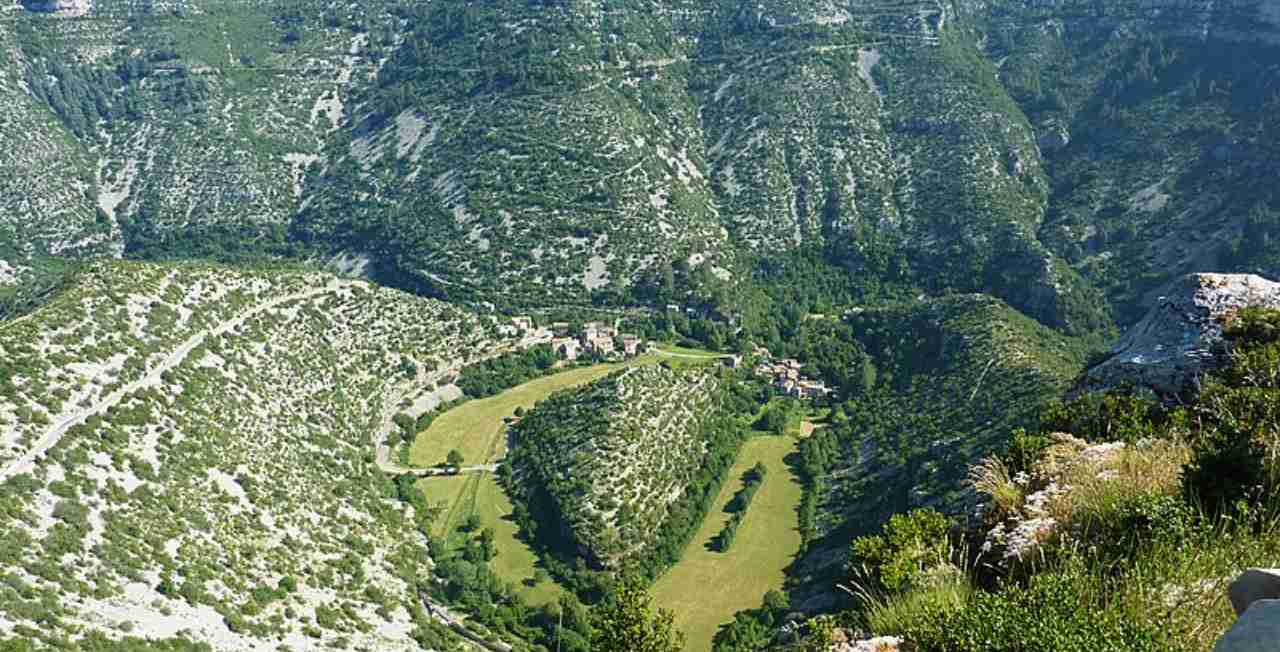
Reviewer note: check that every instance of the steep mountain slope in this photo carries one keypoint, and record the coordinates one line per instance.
(573, 147)
(172, 120)
(956, 376)
(47, 184)
(536, 152)
(547, 149)
(189, 449)
(1156, 122)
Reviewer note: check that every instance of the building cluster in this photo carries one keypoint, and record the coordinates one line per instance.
(788, 379)
(597, 338)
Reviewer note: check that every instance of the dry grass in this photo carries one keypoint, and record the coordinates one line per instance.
(1181, 586)
(1099, 486)
(904, 612)
(991, 477)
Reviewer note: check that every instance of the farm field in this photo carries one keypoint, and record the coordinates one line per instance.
(475, 428)
(706, 588)
(480, 494)
(672, 349)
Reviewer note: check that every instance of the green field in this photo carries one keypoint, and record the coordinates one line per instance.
(707, 588)
(480, 494)
(475, 428)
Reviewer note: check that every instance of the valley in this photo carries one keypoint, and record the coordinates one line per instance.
(673, 326)
(769, 540)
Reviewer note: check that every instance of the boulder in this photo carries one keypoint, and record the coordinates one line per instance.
(1253, 585)
(1179, 339)
(1054, 138)
(877, 644)
(1258, 630)
(72, 8)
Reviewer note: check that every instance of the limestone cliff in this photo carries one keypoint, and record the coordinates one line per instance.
(1181, 337)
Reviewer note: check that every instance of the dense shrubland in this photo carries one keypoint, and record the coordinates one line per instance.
(505, 371)
(239, 482)
(621, 472)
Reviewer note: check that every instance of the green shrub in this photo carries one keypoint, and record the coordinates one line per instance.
(911, 544)
(1052, 614)
(1254, 326)
(1114, 416)
(1230, 460)
(1144, 520)
(1024, 450)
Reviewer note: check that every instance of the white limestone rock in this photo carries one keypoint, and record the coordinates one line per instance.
(1180, 338)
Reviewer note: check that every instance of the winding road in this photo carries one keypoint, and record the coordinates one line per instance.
(26, 462)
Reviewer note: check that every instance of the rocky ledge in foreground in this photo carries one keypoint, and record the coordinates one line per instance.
(1176, 341)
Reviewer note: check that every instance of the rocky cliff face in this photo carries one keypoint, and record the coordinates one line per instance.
(1181, 338)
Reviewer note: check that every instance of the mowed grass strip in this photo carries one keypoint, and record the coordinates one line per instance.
(476, 429)
(682, 350)
(516, 561)
(706, 588)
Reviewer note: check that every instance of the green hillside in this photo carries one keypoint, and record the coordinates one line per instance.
(570, 151)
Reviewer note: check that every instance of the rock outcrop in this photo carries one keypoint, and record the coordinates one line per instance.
(1180, 338)
(71, 8)
(845, 641)
(1255, 596)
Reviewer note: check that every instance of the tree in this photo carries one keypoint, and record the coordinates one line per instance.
(488, 550)
(776, 601)
(454, 458)
(774, 420)
(625, 621)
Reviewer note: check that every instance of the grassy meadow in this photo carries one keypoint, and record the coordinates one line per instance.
(475, 428)
(480, 494)
(707, 588)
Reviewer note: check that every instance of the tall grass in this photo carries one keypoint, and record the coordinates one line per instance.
(1168, 594)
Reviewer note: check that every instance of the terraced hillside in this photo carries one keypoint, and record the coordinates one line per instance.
(608, 460)
(189, 452)
(548, 152)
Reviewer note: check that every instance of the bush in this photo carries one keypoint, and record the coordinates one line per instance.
(1024, 450)
(1052, 614)
(911, 544)
(1115, 416)
(1254, 326)
(1231, 460)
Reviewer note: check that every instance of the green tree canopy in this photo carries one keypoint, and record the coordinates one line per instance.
(625, 621)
